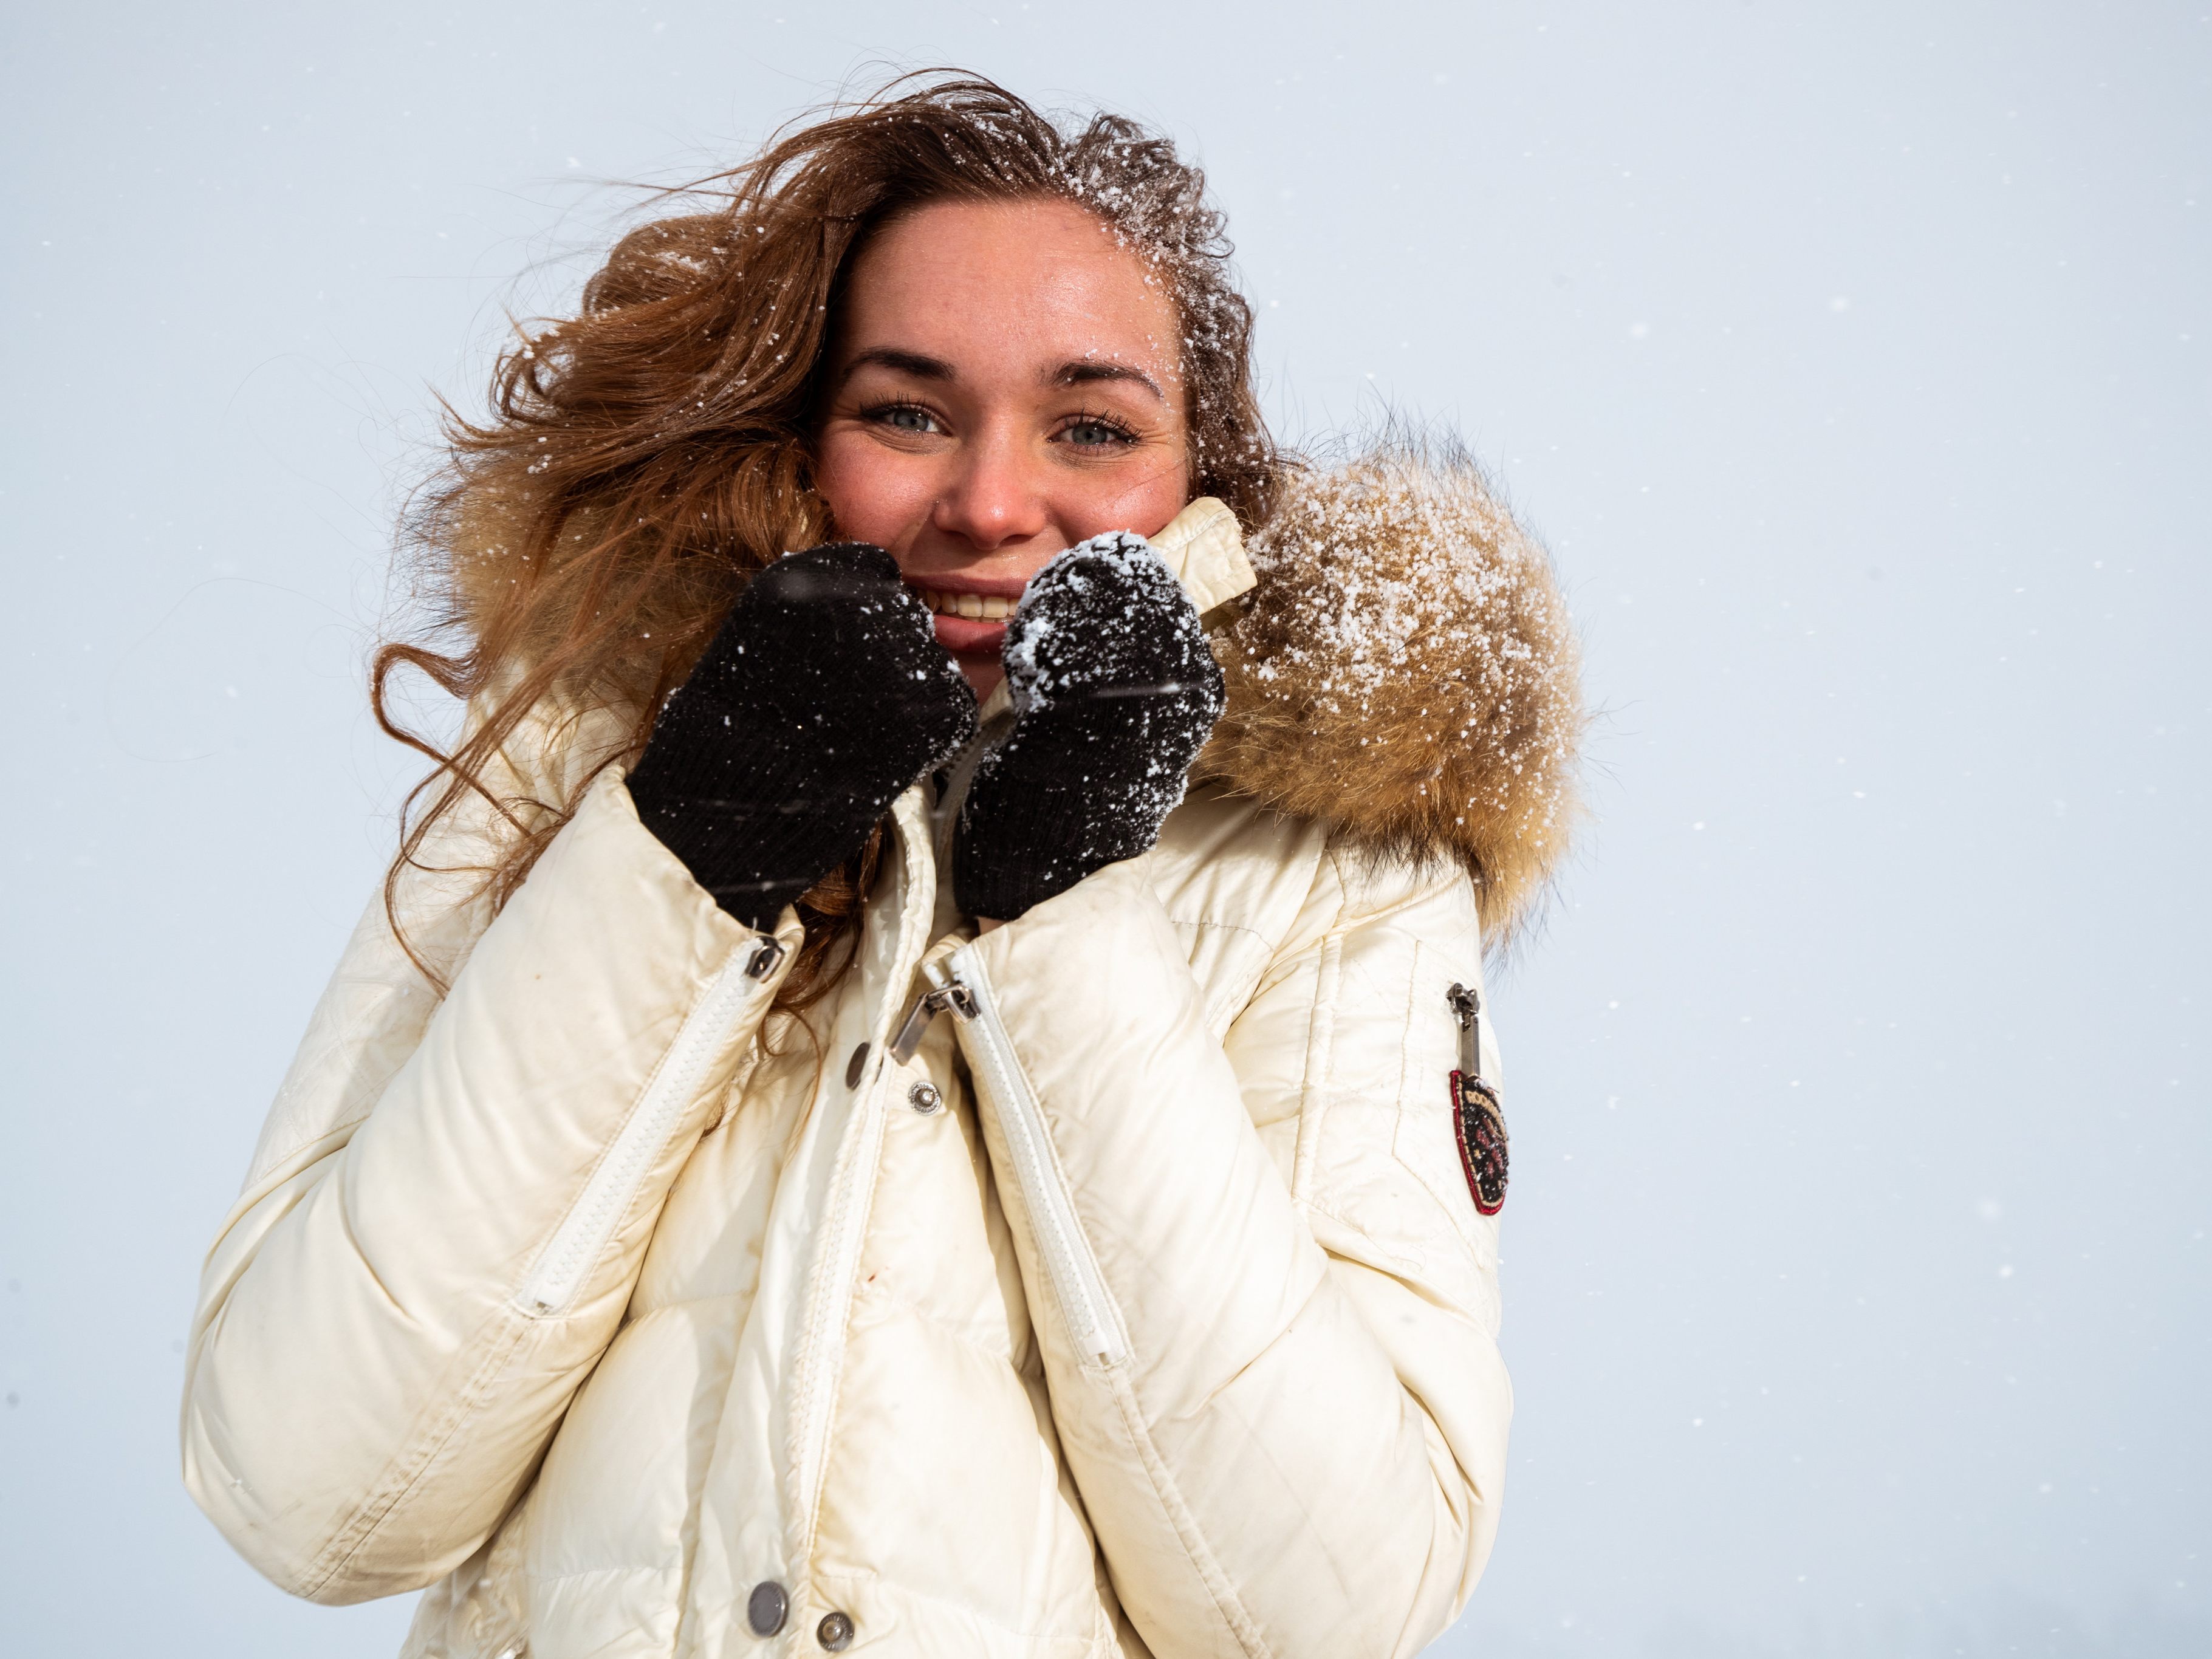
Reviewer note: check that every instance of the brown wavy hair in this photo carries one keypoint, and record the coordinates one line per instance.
(640, 460)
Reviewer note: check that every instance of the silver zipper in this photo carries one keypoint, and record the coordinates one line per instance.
(561, 1267)
(1467, 1008)
(926, 1007)
(1069, 1262)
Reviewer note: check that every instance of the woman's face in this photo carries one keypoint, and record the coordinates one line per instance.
(1005, 382)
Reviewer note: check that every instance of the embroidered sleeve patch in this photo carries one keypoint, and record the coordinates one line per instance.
(1478, 1126)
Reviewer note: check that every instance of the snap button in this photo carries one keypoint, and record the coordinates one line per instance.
(924, 1099)
(855, 1066)
(834, 1632)
(765, 1607)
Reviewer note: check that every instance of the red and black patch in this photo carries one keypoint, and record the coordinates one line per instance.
(1478, 1126)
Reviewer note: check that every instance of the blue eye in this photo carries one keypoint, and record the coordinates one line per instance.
(907, 417)
(1094, 435)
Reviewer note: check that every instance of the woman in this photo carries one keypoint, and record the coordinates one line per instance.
(632, 1254)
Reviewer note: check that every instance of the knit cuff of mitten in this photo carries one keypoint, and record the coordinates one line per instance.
(752, 845)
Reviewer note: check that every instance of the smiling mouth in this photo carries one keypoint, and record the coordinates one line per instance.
(978, 607)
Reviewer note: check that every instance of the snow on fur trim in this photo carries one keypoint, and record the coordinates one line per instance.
(1406, 671)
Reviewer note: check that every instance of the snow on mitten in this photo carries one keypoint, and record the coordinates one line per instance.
(1115, 691)
(824, 694)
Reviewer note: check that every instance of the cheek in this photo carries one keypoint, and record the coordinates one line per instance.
(1141, 497)
(875, 494)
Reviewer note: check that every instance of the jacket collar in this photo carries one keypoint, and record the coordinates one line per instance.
(1206, 550)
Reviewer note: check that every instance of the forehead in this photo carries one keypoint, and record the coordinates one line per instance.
(1010, 285)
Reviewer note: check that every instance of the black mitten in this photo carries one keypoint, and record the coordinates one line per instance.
(1116, 691)
(824, 694)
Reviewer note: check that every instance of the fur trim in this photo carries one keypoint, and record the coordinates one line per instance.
(1406, 671)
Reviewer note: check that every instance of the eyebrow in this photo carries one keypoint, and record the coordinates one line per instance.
(1087, 371)
(918, 364)
(1079, 371)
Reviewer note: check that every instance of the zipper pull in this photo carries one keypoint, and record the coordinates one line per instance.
(1467, 1009)
(926, 1007)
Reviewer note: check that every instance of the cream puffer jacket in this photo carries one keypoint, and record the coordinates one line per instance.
(1137, 1305)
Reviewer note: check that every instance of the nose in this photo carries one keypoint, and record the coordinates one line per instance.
(994, 496)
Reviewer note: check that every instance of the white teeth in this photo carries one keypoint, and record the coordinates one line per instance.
(983, 607)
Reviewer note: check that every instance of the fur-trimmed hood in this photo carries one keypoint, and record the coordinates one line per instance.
(1400, 665)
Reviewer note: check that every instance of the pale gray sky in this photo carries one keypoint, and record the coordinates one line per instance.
(1854, 360)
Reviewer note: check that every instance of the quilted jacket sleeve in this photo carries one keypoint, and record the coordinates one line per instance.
(1270, 1334)
(450, 1203)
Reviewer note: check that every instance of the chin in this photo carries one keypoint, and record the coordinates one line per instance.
(982, 674)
